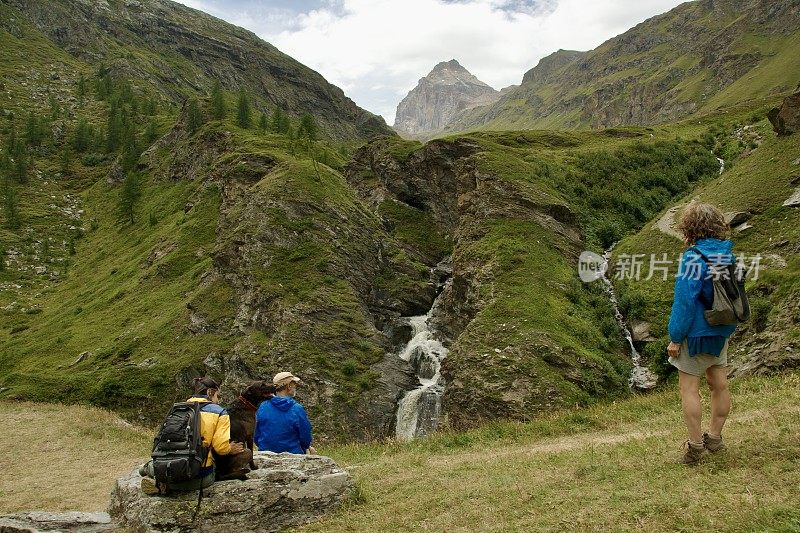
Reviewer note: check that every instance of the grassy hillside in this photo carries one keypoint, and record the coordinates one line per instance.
(757, 180)
(525, 334)
(120, 306)
(606, 467)
(173, 51)
(695, 59)
(72, 456)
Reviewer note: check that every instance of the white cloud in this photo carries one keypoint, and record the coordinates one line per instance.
(376, 50)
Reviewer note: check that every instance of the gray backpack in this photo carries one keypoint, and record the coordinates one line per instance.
(729, 303)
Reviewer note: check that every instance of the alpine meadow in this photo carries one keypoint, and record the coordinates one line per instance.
(188, 212)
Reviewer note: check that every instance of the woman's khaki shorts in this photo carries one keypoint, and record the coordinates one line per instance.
(698, 364)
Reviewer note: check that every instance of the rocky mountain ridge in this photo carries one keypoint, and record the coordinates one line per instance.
(178, 52)
(446, 92)
(696, 58)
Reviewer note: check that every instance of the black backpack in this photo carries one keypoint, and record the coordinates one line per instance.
(178, 451)
(729, 303)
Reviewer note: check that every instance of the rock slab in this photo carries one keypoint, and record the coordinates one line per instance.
(786, 119)
(286, 490)
(43, 521)
(793, 200)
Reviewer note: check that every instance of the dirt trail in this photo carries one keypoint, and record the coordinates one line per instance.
(586, 441)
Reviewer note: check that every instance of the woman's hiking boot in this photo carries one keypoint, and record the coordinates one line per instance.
(694, 453)
(713, 444)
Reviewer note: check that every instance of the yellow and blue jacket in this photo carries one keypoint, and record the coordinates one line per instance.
(215, 428)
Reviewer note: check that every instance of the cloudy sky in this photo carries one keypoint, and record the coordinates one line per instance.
(376, 50)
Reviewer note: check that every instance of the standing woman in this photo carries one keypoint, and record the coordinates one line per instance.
(698, 348)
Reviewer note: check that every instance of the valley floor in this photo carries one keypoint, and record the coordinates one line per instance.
(608, 467)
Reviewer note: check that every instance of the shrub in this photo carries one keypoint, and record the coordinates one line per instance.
(759, 313)
(632, 304)
(655, 355)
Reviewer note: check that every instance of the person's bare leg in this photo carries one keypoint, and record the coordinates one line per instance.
(717, 377)
(692, 410)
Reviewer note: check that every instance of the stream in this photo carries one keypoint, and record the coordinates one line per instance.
(641, 376)
(418, 411)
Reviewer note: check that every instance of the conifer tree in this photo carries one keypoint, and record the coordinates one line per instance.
(195, 116)
(83, 136)
(217, 101)
(66, 161)
(33, 131)
(130, 154)
(2, 259)
(308, 128)
(114, 129)
(10, 205)
(277, 120)
(21, 163)
(151, 133)
(263, 122)
(81, 90)
(128, 197)
(55, 108)
(243, 110)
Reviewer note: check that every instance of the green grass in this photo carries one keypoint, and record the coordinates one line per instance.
(608, 467)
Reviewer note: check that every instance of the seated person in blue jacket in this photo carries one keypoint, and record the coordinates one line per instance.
(281, 423)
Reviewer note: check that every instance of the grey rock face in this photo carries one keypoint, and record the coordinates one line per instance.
(736, 218)
(786, 119)
(448, 90)
(43, 521)
(286, 490)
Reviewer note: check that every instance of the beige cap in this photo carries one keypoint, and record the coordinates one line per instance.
(284, 377)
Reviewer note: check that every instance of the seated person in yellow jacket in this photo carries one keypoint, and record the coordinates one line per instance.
(215, 427)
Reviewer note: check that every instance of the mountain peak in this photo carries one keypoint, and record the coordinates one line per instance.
(453, 64)
(447, 91)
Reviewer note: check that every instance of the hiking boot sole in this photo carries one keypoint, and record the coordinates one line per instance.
(148, 487)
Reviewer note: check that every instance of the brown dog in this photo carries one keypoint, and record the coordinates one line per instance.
(242, 412)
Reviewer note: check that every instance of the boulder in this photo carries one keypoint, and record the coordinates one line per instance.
(786, 119)
(44, 521)
(286, 490)
(735, 218)
(793, 200)
(640, 331)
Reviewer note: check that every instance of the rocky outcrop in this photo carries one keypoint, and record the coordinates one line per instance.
(736, 218)
(444, 181)
(793, 200)
(550, 67)
(286, 490)
(786, 119)
(447, 91)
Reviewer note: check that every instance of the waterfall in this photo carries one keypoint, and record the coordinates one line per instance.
(418, 411)
(721, 164)
(641, 376)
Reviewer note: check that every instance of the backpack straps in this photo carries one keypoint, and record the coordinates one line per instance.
(703, 299)
(696, 250)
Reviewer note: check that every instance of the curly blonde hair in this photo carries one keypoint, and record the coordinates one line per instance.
(700, 221)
